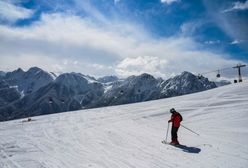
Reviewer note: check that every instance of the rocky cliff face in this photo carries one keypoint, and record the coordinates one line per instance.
(7, 94)
(30, 81)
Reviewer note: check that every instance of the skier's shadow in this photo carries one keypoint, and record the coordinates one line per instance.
(189, 149)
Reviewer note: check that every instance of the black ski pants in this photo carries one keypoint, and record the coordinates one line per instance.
(174, 133)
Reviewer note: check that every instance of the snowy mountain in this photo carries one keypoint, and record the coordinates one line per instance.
(16, 96)
(107, 79)
(130, 135)
(145, 87)
(41, 93)
(84, 89)
(185, 83)
(133, 89)
(30, 81)
(70, 91)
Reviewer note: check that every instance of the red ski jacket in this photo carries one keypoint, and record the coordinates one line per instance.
(175, 119)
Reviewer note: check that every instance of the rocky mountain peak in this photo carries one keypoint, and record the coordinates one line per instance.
(107, 79)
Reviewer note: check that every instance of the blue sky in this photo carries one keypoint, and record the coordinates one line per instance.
(124, 37)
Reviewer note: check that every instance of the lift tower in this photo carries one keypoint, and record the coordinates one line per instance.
(239, 66)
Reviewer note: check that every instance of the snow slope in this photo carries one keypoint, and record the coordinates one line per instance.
(130, 135)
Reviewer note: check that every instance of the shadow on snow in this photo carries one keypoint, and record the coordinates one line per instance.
(188, 149)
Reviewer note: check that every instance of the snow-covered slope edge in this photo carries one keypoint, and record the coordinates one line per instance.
(130, 135)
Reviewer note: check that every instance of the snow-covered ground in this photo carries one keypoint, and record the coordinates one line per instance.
(130, 136)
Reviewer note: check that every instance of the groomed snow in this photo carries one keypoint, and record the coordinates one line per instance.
(129, 136)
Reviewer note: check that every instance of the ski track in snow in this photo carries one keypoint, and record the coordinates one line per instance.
(129, 136)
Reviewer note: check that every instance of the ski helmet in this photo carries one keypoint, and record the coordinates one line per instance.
(172, 110)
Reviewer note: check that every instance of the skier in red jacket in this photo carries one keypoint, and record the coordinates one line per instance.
(176, 118)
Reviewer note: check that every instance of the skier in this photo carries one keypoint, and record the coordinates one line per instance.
(176, 118)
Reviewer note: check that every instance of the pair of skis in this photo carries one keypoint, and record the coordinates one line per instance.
(165, 142)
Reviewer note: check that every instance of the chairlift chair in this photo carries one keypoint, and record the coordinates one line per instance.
(50, 100)
(218, 74)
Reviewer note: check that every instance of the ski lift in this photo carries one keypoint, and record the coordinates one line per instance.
(218, 74)
(50, 100)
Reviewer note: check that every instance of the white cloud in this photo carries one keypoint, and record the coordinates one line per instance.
(231, 23)
(75, 62)
(190, 27)
(235, 42)
(168, 1)
(62, 42)
(172, 56)
(87, 7)
(238, 6)
(10, 12)
(139, 65)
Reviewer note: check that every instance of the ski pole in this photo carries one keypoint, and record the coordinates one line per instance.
(189, 130)
(167, 132)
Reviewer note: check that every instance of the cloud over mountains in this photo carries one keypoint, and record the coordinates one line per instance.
(87, 40)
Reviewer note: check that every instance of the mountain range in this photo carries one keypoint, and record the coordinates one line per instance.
(37, 92)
